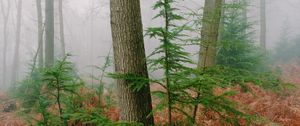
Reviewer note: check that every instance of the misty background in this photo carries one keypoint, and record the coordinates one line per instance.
(88, 34)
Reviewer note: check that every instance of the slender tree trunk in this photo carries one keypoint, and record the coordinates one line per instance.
(49, 28)
(130, 58)
(167, 55)
(40, 34)
(16, 59)
(244, 3)
(91, 57)
(263, 27)
(35, 60)
(61, 28)
(5, 14)
(209, 35)
(245, 10)
(221, 25)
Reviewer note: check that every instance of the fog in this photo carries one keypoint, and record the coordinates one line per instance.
(88, 36)
(207, 62)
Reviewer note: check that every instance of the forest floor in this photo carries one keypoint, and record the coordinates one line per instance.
(8, 118)
(276, 109)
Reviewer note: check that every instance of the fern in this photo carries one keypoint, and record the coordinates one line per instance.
(172, 56)
(48, 87)
(181, 81)
(61, 80)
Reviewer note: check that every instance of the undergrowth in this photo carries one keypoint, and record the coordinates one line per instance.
(57, 96)
(52, 91)
(180, 81)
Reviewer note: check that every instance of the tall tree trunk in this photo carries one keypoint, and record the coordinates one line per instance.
(129, 55)
(40, 34)
(222, 18)
(245, 10)
(209, 37)
(209, 33)
(5, 14)
(49, 28)
(263, 27)
(16, 59)
(91, 56)
(61, 28)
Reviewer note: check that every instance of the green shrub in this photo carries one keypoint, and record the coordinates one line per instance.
(53, 93)
(181, 81)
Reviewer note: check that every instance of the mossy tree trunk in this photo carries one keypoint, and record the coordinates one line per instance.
(209, 37)
(209, 33)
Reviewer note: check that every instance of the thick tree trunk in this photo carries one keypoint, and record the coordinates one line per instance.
(40, 34)
(129, 55)
(16, 59)
(263, 27)
(49, 28)
(5, 14)
(209, 33)
(209, 37)
(61, 28)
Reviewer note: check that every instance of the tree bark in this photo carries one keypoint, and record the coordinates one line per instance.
(61, 28)
(263, 27)
(16, 59)
(209, 33)
(40, 34)
(5, 14)
(49, 28)
(209, 37)
(129, 55)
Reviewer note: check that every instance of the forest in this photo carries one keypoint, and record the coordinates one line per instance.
(149, 63)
